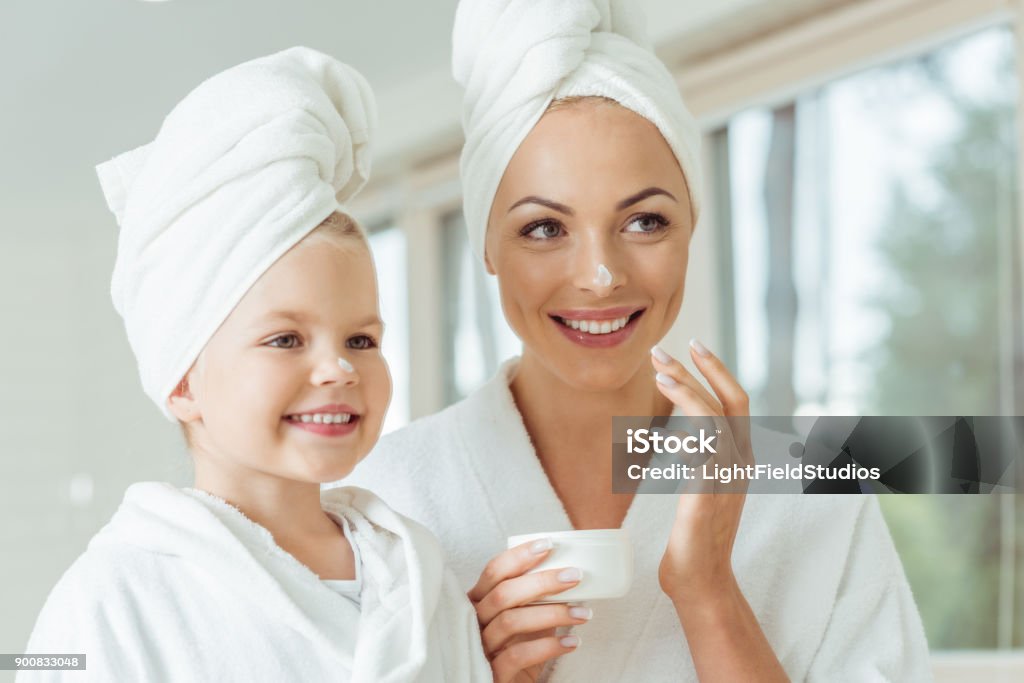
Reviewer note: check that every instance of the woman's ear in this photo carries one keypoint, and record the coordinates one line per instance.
(487, 263)
(182, 403)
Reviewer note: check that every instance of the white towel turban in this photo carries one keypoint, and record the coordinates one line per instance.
(242, 169)
(514, 57)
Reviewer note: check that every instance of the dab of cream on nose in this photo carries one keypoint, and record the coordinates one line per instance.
(603, 277)
(345, 365)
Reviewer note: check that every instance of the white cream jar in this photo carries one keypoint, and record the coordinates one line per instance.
(605, 556)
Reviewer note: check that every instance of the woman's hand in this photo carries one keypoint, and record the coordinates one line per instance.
(697, 565)
(519, 637)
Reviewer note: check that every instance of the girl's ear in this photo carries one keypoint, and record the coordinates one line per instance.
(182, 403)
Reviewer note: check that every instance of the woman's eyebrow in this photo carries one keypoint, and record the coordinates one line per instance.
(533, 199)
(562, 208)
(643, 194)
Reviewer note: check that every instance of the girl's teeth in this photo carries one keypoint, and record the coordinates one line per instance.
(596, 326)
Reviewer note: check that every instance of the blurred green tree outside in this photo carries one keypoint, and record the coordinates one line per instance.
(941, 354)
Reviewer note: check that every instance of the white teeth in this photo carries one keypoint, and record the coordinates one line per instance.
(323, 418)
(596, 326)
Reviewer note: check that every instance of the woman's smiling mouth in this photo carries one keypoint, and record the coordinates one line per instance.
(597, 328)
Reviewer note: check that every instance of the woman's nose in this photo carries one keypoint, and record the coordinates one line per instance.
(597, 270)
(334, 369)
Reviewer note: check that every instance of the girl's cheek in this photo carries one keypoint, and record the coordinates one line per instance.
(382, 384)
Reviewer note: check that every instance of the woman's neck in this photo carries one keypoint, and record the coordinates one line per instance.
(551, 407)
(571, 430)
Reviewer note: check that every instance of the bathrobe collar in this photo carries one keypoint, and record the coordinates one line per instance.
(492, 412)
(399, 594)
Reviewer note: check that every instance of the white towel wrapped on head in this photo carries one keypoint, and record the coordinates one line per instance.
(515, 57)
(242, 169)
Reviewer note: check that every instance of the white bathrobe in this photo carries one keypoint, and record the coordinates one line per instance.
(820, 572)
(181, 586)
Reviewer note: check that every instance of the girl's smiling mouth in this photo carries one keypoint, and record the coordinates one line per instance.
(328, 420)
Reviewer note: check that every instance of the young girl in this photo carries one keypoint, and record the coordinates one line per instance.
(250, 302)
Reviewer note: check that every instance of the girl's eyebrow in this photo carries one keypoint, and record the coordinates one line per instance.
(371, 321)
(297, 316)
(301, 317)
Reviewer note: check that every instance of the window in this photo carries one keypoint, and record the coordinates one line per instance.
(872, 268)
(873, 239)
(477, 339)
(389, 253)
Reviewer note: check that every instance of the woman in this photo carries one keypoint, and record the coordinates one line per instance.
(581, 195)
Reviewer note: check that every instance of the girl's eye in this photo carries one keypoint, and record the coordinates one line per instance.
(284, 341)
(647, 223)
(544, 230)
(361, 342)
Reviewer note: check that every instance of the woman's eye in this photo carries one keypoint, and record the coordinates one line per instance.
(542, 231)
(284, 341)
(647, 223)
(361, 342)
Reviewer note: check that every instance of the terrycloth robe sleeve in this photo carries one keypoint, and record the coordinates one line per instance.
(75, 621)
(874, 632)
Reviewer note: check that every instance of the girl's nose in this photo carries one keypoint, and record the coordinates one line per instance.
(335, 370)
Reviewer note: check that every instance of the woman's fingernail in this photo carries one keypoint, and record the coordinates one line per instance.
(581, 612)
(570, 575)
(541, 546)
(569, 641)
(667, 380)
(660, 354)
(699, 348)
